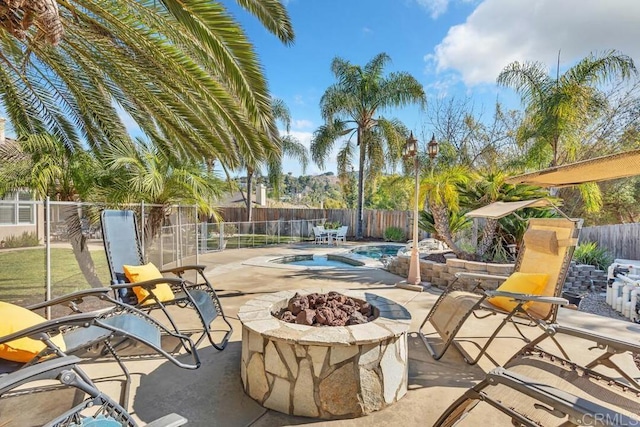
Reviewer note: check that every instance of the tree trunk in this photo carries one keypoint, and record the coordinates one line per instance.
(488, 234)
(441, 223)
(79, 245)
(360, 218)
(153, 225)
(249, 191)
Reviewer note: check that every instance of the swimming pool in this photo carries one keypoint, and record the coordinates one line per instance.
(317, 261)
(377, 251)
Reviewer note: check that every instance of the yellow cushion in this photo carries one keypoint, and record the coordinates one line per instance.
(142, 273)
(15, 318)
(521, 283)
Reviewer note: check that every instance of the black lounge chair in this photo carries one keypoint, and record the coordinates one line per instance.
(118, 330)
(56, 393)
(536, 388)
(123, 248)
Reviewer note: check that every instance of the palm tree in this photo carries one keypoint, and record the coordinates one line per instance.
(184, 71)
(288, 146)
(45, 165)
(557, 108)
(142, 172)
(349, 107)
(441, 192)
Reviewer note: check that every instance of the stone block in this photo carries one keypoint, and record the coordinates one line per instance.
(440, 283)
(456, 263)
(500, 269)
(476, 267)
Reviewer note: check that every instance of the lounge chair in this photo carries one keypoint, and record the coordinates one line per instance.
(151, 291)
(118, 330)
(536, 388)
(66, 398)
(529, 297)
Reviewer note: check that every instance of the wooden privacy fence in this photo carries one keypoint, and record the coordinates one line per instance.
(375, 221)
(621, 240)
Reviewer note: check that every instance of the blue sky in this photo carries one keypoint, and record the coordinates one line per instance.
(453, 47)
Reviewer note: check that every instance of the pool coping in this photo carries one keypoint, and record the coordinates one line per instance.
(268, 261)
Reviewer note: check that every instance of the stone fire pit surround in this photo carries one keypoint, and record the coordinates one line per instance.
(325, 372)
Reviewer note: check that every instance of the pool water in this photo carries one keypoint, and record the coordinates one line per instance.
(312, 261)
(377, 251)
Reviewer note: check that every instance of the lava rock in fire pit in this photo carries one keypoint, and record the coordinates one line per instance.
(332, 309)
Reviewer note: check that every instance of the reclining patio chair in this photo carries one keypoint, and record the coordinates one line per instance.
(151, 291)
(119, 330)
(57, 393)
(530, 296)
(536, 388)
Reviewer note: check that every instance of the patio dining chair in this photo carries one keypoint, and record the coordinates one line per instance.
(320, 235)
(530, 296)
(57, 393)
(117, 331)
(149, 290)
(341, 235)
(536, 388)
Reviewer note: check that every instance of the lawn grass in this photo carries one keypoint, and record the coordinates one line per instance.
(23, 279)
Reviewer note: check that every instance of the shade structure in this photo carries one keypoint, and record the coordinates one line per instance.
(498, 210)
(620, 165)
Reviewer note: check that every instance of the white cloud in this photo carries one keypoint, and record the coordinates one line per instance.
(434, 7)
(302, 124)
(367, 30)
(502, 31)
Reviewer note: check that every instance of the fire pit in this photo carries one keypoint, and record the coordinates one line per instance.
(327, 371)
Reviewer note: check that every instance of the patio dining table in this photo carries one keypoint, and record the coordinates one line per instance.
(331, 234)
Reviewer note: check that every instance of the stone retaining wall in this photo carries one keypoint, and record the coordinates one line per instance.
(580, 277)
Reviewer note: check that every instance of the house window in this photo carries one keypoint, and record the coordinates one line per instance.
(17, 209)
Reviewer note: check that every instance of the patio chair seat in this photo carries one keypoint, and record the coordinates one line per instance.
(536, 388)
(123, 247)
(68, 398)
(546, 251)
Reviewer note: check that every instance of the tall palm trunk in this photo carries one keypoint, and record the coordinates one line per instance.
(488, 235)
(441, 223)
(247, 198)
(361, 163)
(79, 245)
(153, 225)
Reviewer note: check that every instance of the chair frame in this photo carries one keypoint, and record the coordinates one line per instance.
(188, 294)
(515, 316)
(561, 403)
(68, 374)
(111, 336)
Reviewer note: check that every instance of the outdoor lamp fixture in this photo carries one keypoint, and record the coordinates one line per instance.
(411, 150)
(432, 147)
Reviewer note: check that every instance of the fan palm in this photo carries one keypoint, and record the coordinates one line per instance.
(44, 164)
(142, 172)
(349, 107)
(184, 71)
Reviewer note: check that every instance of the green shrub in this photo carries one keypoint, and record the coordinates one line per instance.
(590, 253)
(332, 225)
(25, 240)
(394, 234)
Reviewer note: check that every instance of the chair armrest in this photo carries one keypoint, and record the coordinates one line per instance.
(171, 420)
(45, 370)
(150, 283)
(527, 297)
(479, 276)
(182, 269)
(72, 297)
(79, 319)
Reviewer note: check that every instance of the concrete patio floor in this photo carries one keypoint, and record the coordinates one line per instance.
(213, 395)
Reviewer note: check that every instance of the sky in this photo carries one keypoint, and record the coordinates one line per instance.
(454, 48)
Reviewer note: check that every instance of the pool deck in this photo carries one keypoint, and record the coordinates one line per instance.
(213, 394)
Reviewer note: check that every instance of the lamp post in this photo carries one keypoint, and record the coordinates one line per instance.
(411, 150)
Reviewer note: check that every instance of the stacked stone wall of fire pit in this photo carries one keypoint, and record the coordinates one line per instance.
(325, 372)
(582, 277)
